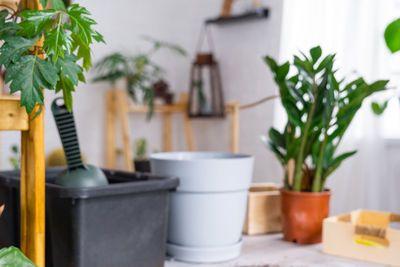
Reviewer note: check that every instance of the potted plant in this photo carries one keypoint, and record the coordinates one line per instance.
(142, 162)
(319, 109)
(140, 74)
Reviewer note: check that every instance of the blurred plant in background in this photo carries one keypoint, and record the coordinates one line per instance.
(138, 71)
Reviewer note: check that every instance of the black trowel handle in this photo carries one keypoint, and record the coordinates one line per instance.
(66, 128)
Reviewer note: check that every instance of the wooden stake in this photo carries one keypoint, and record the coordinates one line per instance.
(33, 180)
(167, 131)
(110, 145)
(123, 115)
(186, 123)
(234, 126)
(33, 191)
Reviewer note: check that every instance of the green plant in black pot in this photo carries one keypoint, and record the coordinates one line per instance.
(319, 108)
(142, 162)
(139, 72)
(46, 49)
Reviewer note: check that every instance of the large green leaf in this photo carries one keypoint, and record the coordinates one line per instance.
(57, 41)
(35, 21)
(277, 138)
(14, 48)
(57, 4)
(30, 75)
(392, 36)
(81, 23)
(83, 51)
(315, 53)
(7, 28)
(69, 69)
(13, 257)
(337, 161)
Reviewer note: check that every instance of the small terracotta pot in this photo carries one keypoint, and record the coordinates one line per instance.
(302, 215)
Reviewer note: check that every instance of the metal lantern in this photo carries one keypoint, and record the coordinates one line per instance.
(205, 94)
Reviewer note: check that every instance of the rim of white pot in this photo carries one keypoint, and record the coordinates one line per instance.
(198, 156)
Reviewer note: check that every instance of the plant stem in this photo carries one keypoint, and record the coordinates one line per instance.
(300, 158)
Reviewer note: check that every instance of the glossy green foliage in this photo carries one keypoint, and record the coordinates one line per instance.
(320, 109)
(68, 34)
(13, 257)
(138, 71)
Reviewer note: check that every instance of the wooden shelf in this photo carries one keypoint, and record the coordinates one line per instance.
(249, 16)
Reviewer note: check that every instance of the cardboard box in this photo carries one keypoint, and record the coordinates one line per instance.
(363, 235)
(263, 210)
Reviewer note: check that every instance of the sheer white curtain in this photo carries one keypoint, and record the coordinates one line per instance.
(353, 29)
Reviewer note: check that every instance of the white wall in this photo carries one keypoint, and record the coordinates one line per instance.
(239, 49)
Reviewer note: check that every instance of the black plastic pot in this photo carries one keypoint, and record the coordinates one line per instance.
(122, 224)
(142, 165)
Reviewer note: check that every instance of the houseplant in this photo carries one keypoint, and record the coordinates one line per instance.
(139, 71)
(142, 162)
(55, 62)
(320, 109)
(208, 208)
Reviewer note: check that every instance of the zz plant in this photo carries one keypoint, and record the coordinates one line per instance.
(320, 109)
(46, 49)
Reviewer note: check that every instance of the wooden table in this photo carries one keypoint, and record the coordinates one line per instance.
(272, 251)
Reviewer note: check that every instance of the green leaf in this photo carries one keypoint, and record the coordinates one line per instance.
(35, 21)
(13, 49)
(282, 71)
(56, 42)
(327, 62)
(377, 108)
(392, 36)
(271, 63)
(81, 23)
(44, 3)
(7, 28)
(337, 161)
(315, 53)
(68, 68)
(98, 37)
(30, 75)
(67, 90)
(13, 257)
(57, 4)
(83, 51)
(277, 138)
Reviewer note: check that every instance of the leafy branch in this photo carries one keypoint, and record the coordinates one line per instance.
(59, 63)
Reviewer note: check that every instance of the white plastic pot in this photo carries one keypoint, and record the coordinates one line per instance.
(208, 208)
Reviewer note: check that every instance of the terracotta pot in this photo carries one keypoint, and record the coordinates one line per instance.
(302, 215)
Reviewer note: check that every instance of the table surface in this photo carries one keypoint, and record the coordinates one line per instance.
(272, 251)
